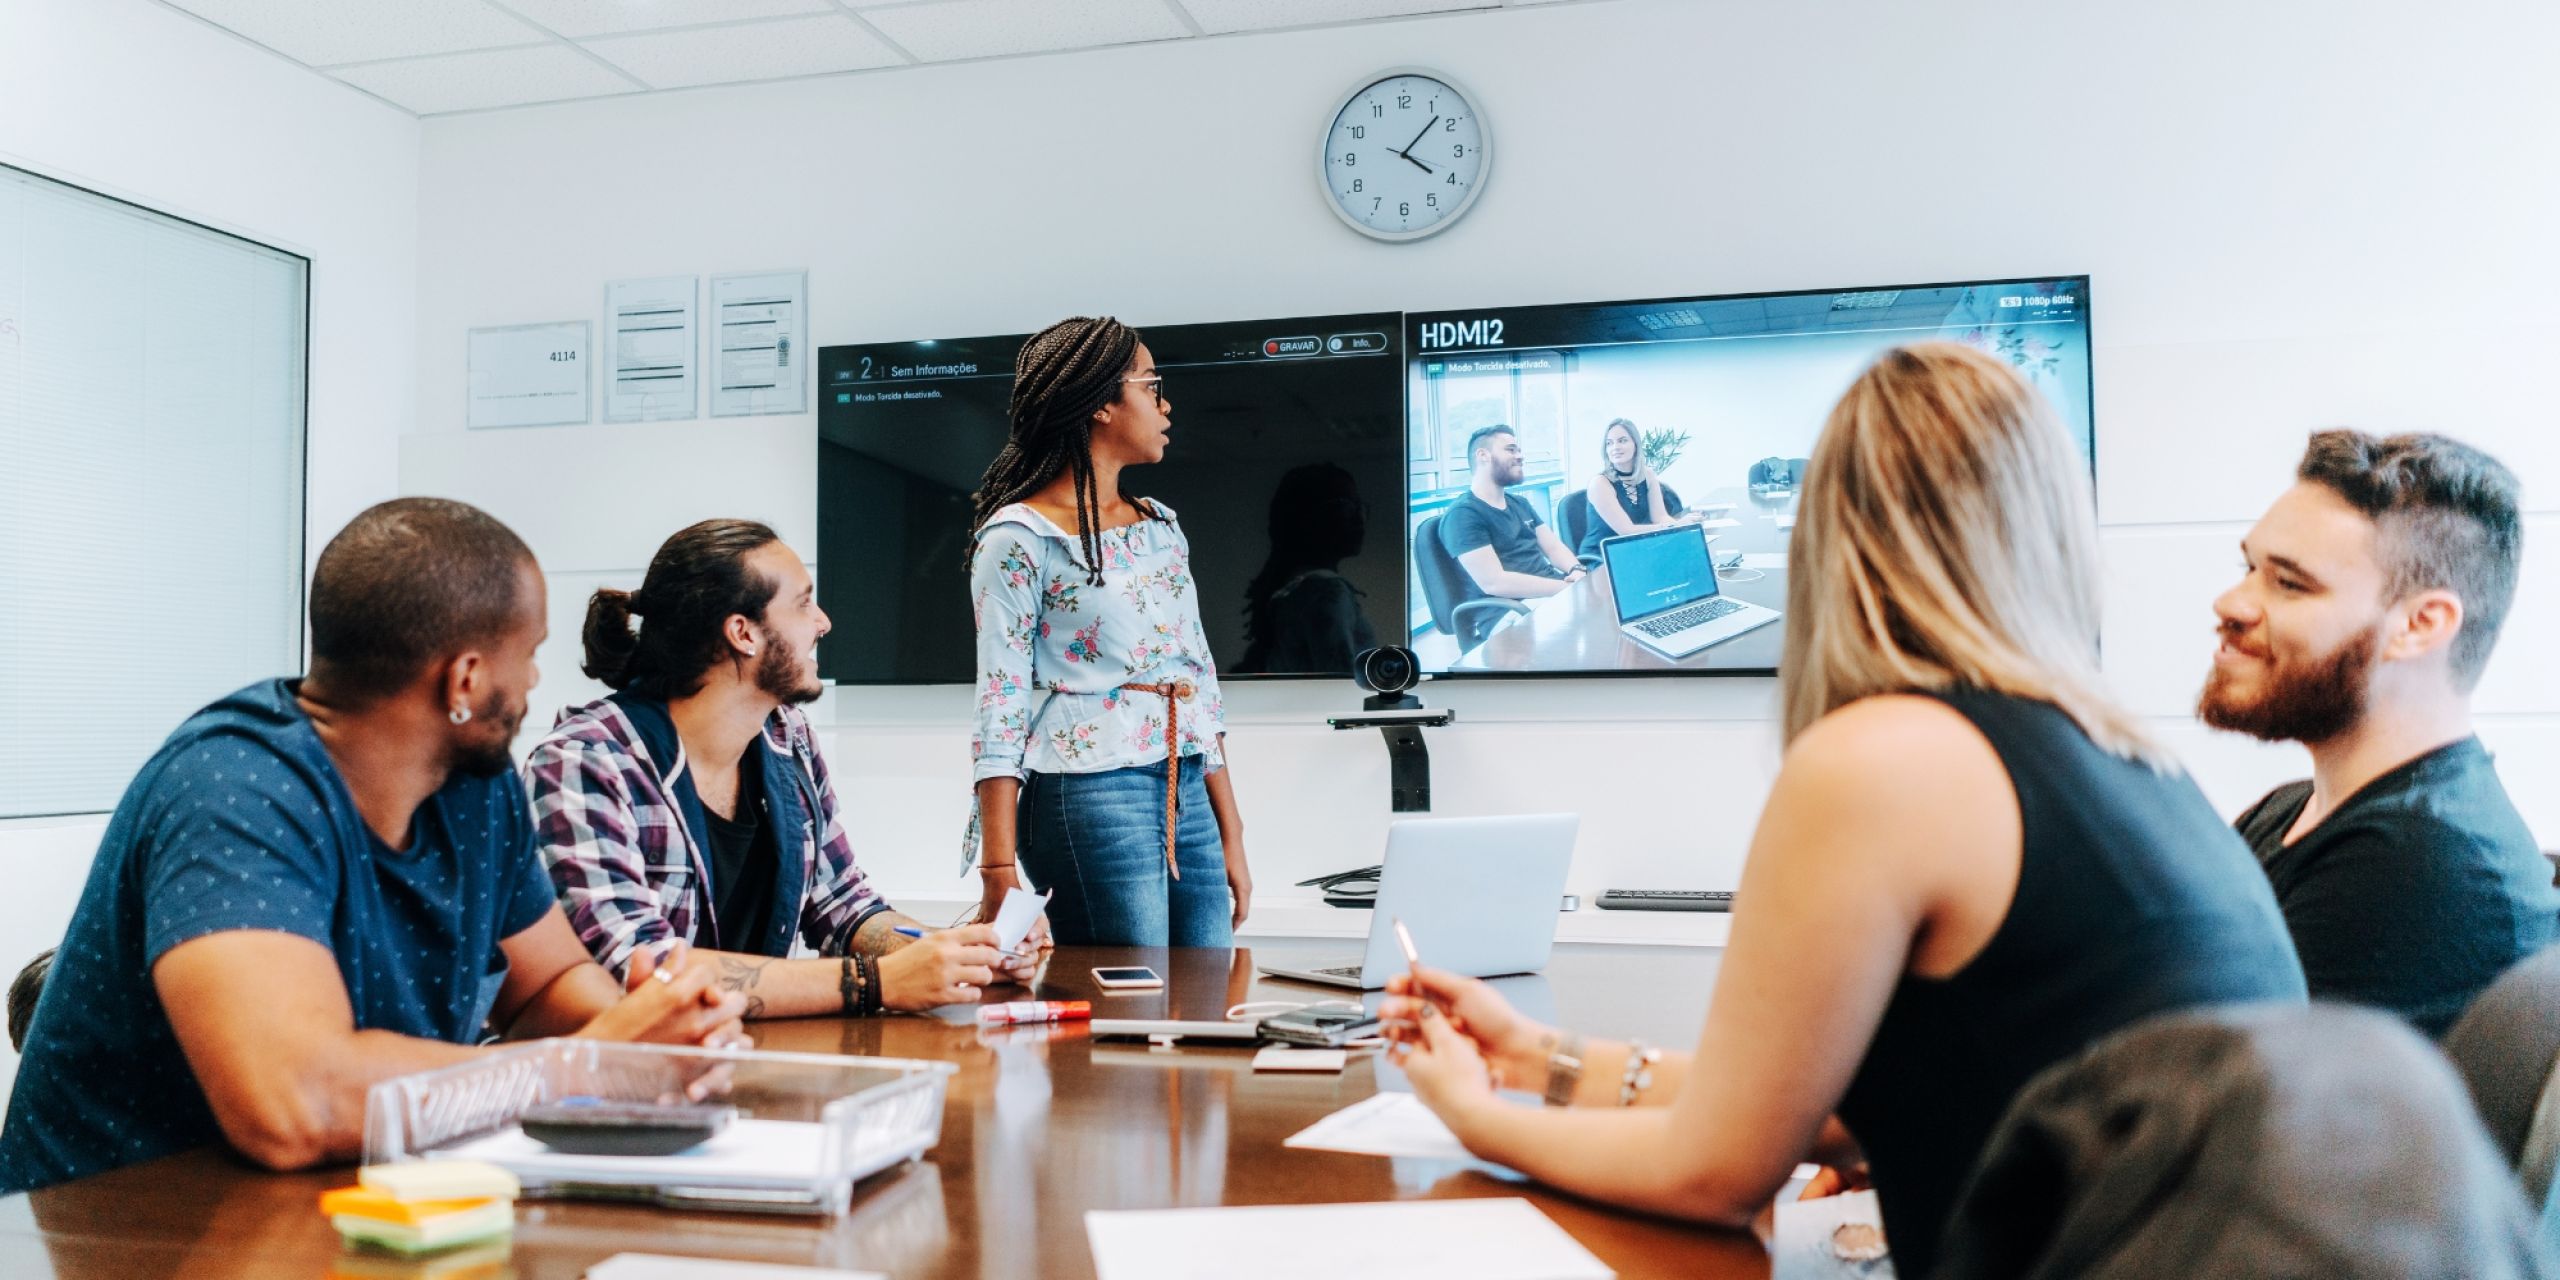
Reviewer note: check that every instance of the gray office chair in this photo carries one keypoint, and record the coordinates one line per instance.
(1458, 607)
(1579, 528)
(2259, 1140)
(2507, 1048)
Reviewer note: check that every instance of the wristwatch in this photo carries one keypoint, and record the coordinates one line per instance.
(1564, 1069)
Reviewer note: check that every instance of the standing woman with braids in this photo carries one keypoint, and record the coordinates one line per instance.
(1099, 753)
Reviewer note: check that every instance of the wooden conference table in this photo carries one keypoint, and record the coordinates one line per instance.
(1041, 1124)
(1576, 629)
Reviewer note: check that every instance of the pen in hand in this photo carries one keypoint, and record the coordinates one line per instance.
(911, 931)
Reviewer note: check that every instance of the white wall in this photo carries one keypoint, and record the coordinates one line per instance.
(2296, 214)
(140, 102)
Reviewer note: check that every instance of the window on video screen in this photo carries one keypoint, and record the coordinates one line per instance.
(1659, 446)
(1284, 434)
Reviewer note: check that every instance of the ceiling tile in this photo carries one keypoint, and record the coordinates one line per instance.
(954, 29)
(491, 78)
(576, 18)
(334, 31)
(1218, 17)
(753, 51)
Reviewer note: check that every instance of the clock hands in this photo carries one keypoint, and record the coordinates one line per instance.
(1407, 153)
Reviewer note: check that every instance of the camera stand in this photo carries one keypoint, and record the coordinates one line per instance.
(1401, 718)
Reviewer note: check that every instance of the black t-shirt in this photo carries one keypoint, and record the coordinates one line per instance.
(1638, 509)
(742, 862)
(2133, 900)
(2416, 892)
(1510, 529)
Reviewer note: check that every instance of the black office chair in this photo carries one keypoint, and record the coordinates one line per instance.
(2507, 1048)
(2258, 1140)
(1458, 607)
(1580, 528)
(23, 994)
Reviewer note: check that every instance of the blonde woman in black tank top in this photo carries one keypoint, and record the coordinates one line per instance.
(1972, 863)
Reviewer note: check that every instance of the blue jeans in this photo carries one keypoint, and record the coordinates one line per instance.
(1097, 840)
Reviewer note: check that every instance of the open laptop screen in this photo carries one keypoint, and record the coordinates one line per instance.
(1651, 572)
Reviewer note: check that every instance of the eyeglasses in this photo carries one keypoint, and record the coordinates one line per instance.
(1154, 383)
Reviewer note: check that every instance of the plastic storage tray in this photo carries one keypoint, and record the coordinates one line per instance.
(809, 1127)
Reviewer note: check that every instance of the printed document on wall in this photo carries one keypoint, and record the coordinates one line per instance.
(760, 342)
(529, 375)
(650, 370)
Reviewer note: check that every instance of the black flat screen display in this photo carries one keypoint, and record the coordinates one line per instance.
(1285, 468)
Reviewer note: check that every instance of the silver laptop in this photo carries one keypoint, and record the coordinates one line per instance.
(1665, 589)
(1478, 894)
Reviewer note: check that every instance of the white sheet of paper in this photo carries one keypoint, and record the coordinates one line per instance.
(1480, 1239)
(1015, 918)
(748, 1153)
(662, 1266)
(1719, 522)
(1787, 521)
(1800, 1247)
(1387, 1124)
(1281, 1057)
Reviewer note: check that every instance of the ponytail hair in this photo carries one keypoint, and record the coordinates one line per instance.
(698, 580)
(609, 637)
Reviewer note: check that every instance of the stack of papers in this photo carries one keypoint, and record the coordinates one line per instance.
(1481, 1239)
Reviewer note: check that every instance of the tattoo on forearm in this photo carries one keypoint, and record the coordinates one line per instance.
(742, 975)
(878, 935)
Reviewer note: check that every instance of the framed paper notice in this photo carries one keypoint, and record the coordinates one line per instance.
(530, 375)
(760, 350)
(650, 365)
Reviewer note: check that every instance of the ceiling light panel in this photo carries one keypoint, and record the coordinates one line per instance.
(335, 31)
(1217, 17)
(955, 29)
(577, 18)
(754, 51)
(489, 78)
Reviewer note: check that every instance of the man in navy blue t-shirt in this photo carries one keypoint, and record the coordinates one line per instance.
(315, 885)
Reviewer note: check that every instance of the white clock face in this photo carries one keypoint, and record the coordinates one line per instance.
(1406, 155)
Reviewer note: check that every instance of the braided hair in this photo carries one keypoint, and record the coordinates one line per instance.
(1067, 373)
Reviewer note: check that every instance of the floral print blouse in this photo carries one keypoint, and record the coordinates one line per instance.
(1054, 650)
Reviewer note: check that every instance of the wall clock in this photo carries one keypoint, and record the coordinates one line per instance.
(1406, 155)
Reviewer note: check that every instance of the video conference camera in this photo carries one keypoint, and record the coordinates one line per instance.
(1390, 673)
(1387, 672)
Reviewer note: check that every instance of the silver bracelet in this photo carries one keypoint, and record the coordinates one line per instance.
(1639, 1073)
(1564, 1069)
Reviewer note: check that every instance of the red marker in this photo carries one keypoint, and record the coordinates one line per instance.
(1036, 1011)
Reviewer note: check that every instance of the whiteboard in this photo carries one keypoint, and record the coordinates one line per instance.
(151, 482)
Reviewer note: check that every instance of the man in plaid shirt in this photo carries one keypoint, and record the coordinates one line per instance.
(692, 805)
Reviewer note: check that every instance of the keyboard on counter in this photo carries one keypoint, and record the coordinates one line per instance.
(1666, 900)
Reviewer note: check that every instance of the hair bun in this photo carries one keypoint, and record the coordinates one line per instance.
(608, 637)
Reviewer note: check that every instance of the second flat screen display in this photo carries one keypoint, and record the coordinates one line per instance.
(1661, 447)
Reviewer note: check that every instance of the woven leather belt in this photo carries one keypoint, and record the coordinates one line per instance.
(1174, 693)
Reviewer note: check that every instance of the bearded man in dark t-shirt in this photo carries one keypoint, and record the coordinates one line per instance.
(2375, 588)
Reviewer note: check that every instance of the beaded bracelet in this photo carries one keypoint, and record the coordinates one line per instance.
(1639, 1073)
(844, 989)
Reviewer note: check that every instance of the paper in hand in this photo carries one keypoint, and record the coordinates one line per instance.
(1014, 919)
